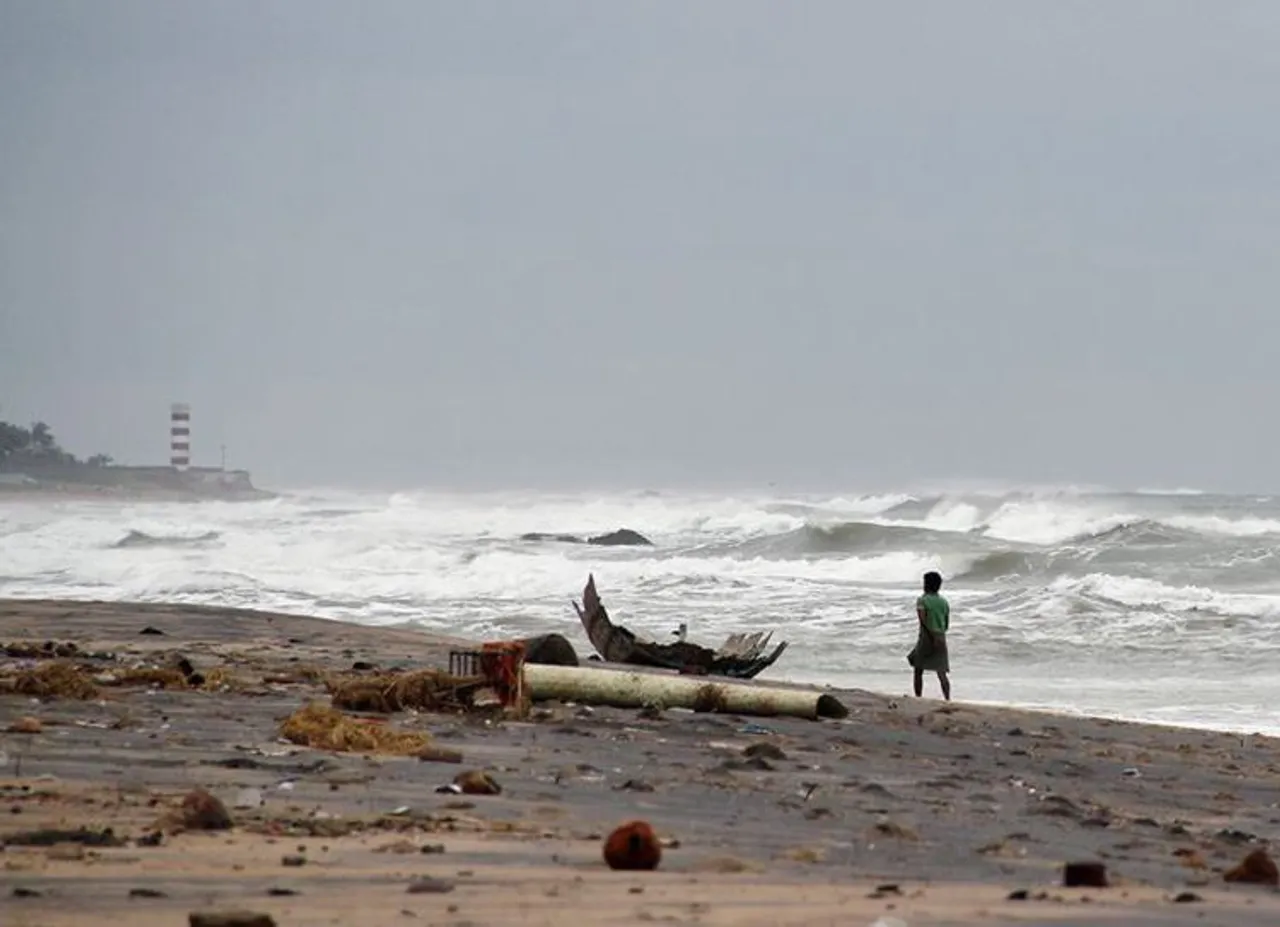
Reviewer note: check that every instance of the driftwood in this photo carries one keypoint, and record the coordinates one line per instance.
(741, 656)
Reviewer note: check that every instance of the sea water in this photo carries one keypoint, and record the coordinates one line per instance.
(1158, 605)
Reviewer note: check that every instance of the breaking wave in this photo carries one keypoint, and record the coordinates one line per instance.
(1144, 604)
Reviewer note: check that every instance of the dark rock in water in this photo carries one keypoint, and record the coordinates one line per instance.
(544, 536)
(550, 650)
(623, 537)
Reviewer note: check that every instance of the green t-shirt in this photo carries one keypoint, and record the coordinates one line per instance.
(937, 613)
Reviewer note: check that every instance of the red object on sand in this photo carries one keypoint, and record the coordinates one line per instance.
(632, 847)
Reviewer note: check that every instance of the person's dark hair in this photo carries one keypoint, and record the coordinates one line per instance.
(932, 581)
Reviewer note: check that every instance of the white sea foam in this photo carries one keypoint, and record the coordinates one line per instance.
(1060, 611)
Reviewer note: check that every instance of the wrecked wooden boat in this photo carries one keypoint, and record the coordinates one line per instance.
(741, 656)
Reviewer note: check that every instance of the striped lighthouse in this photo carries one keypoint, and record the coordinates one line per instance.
(179, 436)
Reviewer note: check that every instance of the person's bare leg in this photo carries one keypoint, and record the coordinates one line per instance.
(946, 686)
(919, 682)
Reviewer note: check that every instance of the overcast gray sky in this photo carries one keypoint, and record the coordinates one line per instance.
(648, 244)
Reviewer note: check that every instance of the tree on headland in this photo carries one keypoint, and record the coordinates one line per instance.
(37, 445)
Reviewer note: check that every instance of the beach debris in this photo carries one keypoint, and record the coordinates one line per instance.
(68, 679)
(550, 649)
(632, 847)
(50, 679)
(741, 655)
(630, 688)
(203, 811)
(1085, 875)
(23, 892)
(230, 919)
(1186, 898)
(49, 837)
(418, 690)
(27, 725)
(429, 885)
(293, 861)
(146, 893)
(30, 650)
(1258, 868)
(325, 728)
(472, 782)
(149, 630)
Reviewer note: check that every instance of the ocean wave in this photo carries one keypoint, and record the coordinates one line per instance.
(143, 539)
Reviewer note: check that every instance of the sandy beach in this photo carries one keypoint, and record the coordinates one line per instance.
(909, 811)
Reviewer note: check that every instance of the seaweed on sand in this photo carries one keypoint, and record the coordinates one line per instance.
(51, 679)
(326, 728)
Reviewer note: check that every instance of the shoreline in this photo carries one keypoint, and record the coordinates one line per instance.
(141, 606)
(766, 820)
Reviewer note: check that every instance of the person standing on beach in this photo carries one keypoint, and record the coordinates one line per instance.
(933, 613)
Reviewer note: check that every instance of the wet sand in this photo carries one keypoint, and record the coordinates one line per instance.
(910, 809)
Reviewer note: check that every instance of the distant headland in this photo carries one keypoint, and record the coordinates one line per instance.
(33, 463)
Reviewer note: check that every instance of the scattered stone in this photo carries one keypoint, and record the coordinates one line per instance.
(429, 885)
(277, 892)
(633, 785)
(150, 630)
(887, 890)
(293, 861)
(650, 713)
(1258, 868)
(1020, 894)
(23, 892)
(153, 839)
(1186, 898)
(26, 725)
(1085, 875)
(632, 847)
(429, 848)
(895, 830)
(764, 750)
(433, 754)
(623, 537)
(401, 847)
(1190, 858)
(202, 811)
(1232, 835)
(230, 919)
(146, 893)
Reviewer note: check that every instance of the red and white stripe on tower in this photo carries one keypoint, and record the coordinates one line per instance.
(180, 436)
